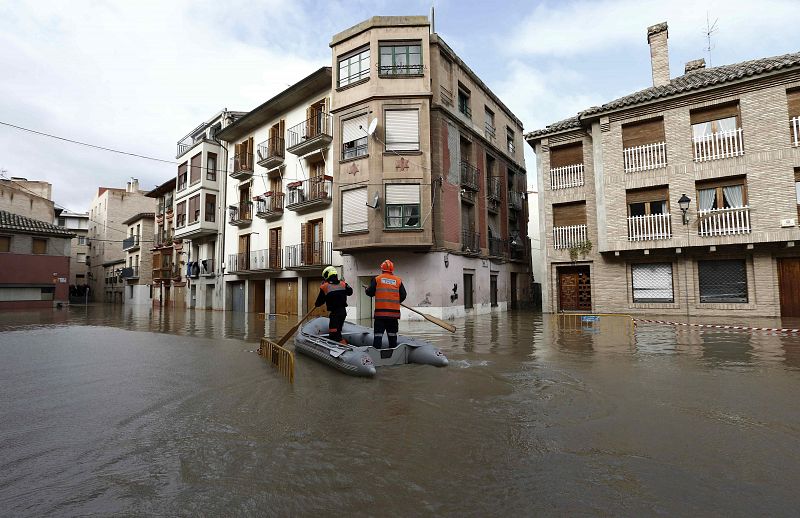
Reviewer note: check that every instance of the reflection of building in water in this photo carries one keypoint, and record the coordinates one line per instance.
(791, 350)
(725, 347)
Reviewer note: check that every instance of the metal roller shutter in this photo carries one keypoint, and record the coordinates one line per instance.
(402, 194)
(354, 129)
(402, 130)
(652, 282)
(354, 210)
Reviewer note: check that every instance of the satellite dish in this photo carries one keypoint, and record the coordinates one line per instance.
(372, 126)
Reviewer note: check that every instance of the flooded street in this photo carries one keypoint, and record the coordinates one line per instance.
(106, 410)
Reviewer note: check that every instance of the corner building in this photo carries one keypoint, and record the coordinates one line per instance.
(722, 143)
(438, 187)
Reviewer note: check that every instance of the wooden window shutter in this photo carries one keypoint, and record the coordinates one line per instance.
(647, 195)
(273, 239)
(39, 246)
(569, 214)
(793, 99)
(644, 132)
(569, 154)
(712, 113)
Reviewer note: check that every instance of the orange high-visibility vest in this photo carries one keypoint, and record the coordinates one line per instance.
(327, 287)
(387, 296)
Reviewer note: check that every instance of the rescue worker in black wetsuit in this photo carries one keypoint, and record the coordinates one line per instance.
(333, 293)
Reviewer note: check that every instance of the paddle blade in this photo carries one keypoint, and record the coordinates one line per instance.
(440, 323)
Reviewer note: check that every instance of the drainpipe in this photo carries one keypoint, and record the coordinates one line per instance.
(221, 242)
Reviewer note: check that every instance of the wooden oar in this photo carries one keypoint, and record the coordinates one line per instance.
(432, 319)
(293, 330)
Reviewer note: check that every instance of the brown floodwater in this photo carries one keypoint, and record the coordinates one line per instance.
(111, 410)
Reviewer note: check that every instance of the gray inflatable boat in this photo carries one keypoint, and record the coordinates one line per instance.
(358, 357)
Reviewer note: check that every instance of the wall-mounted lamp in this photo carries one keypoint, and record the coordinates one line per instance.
(683, 203)
(446, 260)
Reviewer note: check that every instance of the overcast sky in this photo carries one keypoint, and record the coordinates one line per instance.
(139, 75)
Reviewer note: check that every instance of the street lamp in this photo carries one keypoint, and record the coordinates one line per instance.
(683, 203)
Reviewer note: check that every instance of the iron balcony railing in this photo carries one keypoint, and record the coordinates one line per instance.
(722, 144)
(469, 176)
(518, 253)
(463, 107)
(489, 131)
(515, 200)
(649, 227)
(242, 165)
(240, 213)
(645, 157)
(206, 267)
(238, 262)
(307, 192)
(176, 271)
(271, 151)
(795, 131)
(183, 147)
(319, 125)
(130, 272)
(470, 241)
(400, 70)
(164, 238)
(494, 186)
(498, 247)
(315, 254)
(568, 236)
(566, 176)
(723, 222)
(130, 242)
(270, 204)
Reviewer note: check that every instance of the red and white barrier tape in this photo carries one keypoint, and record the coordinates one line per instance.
(716, 326)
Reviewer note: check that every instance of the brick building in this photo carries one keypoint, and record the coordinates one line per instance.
(138, 263)
(721, 143)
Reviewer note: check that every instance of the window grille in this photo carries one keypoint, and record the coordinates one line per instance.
(652, 282)
(723, 281)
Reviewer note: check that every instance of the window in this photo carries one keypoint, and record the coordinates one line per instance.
(354, 137)
(705, 129)
(62, 222)
(652, 282)
(180, 218)
(488, 125)
(648, 201)
(39, 246)
(402, 206)
(797, 189)
(182, 178)
(730, 194)
(463, 101)
(722, 280)
(196, 166)
(5, 243)
(402, 130)
(354, 67)
(400, 59)
(81, 240)
(510, 140)
(211, 207)
(211, 167)
(194, 209)
(355, 216)
(81, 257)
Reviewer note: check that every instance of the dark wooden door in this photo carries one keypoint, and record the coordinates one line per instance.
(574, 289)
(258, 296)
(789, 282)
(468, 291)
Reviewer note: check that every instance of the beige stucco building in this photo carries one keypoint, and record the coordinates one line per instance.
(722, 143)
(137, 269)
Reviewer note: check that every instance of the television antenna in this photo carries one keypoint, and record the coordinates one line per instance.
(710, 29)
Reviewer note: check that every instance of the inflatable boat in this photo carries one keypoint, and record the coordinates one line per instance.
(358, 357)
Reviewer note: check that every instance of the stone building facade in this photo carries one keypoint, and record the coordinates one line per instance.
(722, 143)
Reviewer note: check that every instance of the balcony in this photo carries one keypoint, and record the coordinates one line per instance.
(724, 222)
(207, 268)
(469, 176)
(400, 70)
(715, 146)
(566, 176)
(130, 272)
(176, 272)
(515, 200)
(498, 247)
(645, 157)
(309, 194)
(242, 166)
(649, 227)
(470, 242)
(238, 263)
(493, 198)
(518, 253)
(164, 239)
(164, 273)
(569, 236)
(270, 206)
(241, 214)
(130, 243)
(311, 134)
(266, 260)
(308, 255)
(271, 152)
(795, 122)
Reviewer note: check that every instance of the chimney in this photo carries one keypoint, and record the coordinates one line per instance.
(695, 64)
(659, 53)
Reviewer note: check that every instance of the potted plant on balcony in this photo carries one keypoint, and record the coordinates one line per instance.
(581, 249)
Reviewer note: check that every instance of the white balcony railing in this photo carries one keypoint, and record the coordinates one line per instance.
(567, 237)
(566, 176)
(722, 144)
(723, 222)
(649, 227)
(796, 131)
(645, 157)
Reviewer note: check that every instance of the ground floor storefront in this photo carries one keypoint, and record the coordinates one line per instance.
(281, 294)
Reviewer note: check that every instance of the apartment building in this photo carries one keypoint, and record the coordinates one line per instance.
(428, 171)
(167, 262)
(78, 224)
(679, 199)
(136, 272)
(29, 198)
(279, 211)
(199, 218)
(106, 230)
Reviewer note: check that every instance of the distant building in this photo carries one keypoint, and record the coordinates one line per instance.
(107, 212)
(168, 261)
(679, 199)
(27, 198)
(34, 262)
(77, 223)
(137, 267)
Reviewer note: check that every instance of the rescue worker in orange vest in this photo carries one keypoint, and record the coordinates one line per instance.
(333, 293)
(389, 292)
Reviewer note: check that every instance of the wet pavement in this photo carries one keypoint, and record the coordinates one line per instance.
(109, 410)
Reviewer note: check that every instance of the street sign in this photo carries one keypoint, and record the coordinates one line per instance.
(590, 318)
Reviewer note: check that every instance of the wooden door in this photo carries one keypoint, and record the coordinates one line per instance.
(468, 291)
(574, 289)
(315, 239)
(789, 283)
(275, 249)
(258, 296)
(513, 290)
(244, 252)
(312, 290)
(286, 297)
(493, 290)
